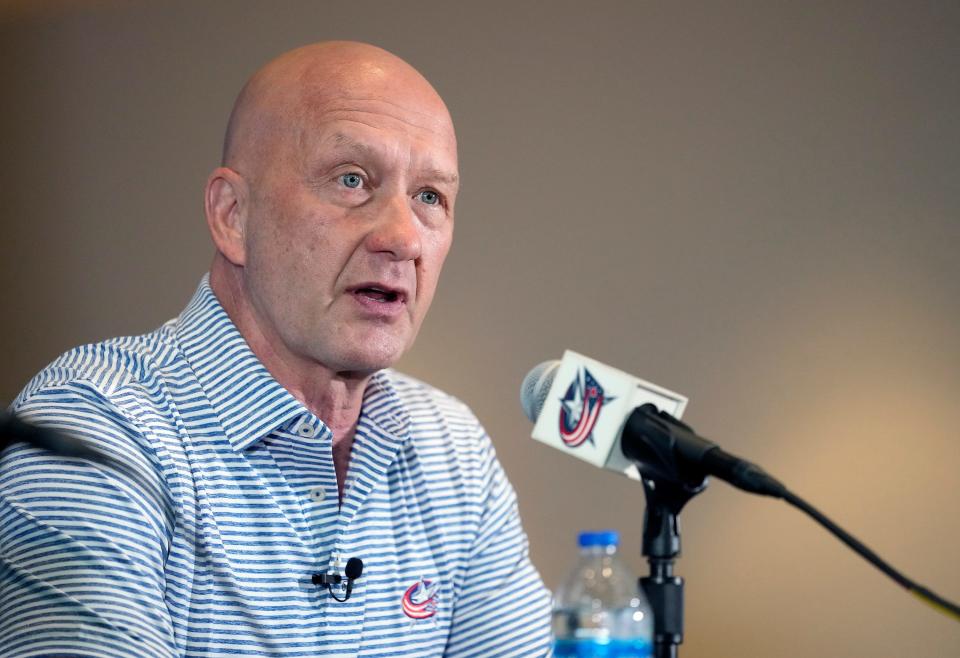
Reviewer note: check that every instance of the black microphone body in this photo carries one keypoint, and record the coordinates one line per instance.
(664, 448)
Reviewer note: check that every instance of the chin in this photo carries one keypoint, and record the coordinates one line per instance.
(367, 359)
(368, 349)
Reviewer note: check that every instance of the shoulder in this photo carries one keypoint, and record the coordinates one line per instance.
(98, 394)
(103, 392)
(106, 367)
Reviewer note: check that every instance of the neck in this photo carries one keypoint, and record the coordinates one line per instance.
(334, 397)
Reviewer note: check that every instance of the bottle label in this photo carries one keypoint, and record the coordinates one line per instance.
(614, 648)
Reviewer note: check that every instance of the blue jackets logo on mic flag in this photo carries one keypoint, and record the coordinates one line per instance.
(580, 409)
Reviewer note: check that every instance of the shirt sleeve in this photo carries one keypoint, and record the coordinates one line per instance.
(83, 544)
(502, 609)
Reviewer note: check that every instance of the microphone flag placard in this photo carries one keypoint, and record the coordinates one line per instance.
(587, 406)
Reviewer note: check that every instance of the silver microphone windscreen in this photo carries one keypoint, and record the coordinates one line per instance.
(536, 386)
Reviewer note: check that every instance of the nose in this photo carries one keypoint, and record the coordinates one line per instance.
(396, 230)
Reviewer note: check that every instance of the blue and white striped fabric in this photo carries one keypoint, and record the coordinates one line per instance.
(204, 542)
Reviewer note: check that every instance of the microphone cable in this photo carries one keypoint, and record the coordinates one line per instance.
(924, 594)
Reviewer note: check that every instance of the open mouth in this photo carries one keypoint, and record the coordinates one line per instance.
(378, 294)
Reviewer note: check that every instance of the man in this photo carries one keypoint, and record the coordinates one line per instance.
(259, 438)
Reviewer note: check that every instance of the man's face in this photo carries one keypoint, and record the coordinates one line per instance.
(349, 223)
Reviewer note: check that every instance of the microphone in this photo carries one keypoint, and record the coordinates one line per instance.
(611, 419)
(352, 572)
(616, 421)
(579, 406)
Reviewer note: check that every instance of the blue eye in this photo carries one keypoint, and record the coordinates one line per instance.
(351, 180)
(429, 197)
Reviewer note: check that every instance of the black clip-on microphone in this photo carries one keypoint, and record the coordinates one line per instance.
(353, 571)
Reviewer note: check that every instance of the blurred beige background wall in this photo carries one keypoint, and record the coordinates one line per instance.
(753, 203)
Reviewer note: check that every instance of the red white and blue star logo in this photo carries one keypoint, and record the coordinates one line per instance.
(420, 599)
(580, 408)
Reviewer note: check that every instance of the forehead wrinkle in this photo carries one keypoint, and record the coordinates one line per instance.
(437, 127)
(437, 121)
(321, 102)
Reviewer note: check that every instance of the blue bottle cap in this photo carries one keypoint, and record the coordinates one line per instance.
(598, 538)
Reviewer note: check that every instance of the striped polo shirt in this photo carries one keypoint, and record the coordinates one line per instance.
(200, 536)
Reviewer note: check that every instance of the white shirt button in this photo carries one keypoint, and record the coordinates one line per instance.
(307, 431)
(317, 494)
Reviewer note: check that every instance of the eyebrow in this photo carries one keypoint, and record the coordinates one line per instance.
(347, 143)
(442, 176)
(350, 144)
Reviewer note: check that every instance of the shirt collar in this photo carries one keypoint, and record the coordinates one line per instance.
(383, 408)
(247, 400)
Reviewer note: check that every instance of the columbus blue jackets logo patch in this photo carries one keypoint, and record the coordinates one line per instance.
(580, 408)
(420, 599)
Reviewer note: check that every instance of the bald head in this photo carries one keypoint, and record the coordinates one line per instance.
(281, 100)
(333, 211)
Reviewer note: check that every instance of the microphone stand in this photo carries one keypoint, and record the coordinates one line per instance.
(661, 546)
(668, 484)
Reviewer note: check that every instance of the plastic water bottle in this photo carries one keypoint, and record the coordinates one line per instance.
(600, 611)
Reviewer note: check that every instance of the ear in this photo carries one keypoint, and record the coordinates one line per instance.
(225, 203)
